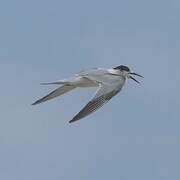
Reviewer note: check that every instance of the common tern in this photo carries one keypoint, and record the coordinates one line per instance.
(108, 81)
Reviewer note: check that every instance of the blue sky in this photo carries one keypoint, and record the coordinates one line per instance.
(135, 136)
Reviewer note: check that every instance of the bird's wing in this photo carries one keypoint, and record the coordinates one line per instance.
(57, 92)
(102, 96)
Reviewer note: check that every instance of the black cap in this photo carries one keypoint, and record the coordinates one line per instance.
(122, 68)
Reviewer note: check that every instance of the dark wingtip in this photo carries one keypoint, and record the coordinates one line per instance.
(71, 121)
(74, 119)
(35, 103)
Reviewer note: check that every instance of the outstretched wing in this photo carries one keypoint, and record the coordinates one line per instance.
(57, 92)
(102, 96)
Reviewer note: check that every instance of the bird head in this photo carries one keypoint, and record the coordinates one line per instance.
(126, 72)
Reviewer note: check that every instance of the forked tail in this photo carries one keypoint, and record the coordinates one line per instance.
(57, 92)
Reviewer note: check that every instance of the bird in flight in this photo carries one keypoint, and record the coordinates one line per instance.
(109, 82)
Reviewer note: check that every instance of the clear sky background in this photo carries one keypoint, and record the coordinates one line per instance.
(135, 136)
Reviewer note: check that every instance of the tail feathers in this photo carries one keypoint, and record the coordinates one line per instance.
(57, 92)
(55, 82)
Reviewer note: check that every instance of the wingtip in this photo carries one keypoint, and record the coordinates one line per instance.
(35, 103)
(71, 121)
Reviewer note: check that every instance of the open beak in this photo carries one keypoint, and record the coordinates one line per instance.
(135, 75)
